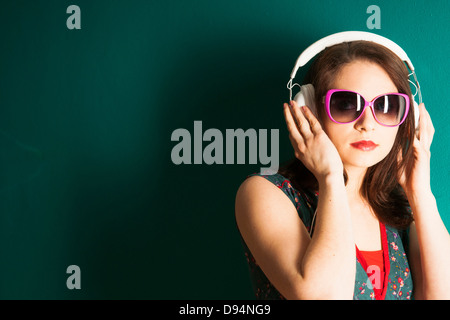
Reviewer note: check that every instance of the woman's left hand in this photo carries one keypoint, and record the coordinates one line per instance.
(418, 180)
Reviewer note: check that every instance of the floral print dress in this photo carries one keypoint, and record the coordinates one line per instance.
(398, 282)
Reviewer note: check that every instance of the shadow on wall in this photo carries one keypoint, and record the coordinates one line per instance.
(169, 232)
(227, 85)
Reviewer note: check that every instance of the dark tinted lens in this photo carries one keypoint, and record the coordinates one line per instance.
(346, 106)
(390, 109)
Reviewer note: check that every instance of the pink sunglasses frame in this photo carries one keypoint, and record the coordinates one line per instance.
(366, 103)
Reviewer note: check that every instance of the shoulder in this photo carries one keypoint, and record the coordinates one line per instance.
(267, 182)
(265, 189)
(281, 182)
(259, 195)
(261, 191)
(299, 197)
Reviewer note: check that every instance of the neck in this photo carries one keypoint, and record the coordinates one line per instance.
(359, 206)
(355, 179)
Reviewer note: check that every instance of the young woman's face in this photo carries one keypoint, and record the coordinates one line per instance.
(369, 80)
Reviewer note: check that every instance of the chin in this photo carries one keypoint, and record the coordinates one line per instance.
(365, 160)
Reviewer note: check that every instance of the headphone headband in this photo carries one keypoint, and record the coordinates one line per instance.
(348, 36)
(306, 94)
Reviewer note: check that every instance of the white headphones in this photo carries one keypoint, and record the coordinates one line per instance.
(306, 94)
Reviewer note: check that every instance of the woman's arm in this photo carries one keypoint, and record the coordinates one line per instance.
(429, 239)
(300, 267)
(429, 250)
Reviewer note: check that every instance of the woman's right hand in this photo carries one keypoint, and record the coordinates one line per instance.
(311, 144)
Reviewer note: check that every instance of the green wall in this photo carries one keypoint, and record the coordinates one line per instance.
(86, 118)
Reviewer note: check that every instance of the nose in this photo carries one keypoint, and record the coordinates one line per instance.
(367, 121)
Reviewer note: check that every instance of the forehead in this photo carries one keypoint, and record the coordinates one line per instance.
(367, 78)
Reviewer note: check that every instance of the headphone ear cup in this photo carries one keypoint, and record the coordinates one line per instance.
(306, 98)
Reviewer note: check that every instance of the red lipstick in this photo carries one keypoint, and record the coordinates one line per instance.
(364, 145)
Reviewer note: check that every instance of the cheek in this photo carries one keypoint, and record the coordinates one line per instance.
(337, 132)
(388, 137)
(330, 127)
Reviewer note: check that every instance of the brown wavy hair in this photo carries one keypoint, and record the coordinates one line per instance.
(380, 186)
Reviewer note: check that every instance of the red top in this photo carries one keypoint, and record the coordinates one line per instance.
(375, 269)
(374, 263)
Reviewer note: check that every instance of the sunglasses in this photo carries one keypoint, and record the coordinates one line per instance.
(344, 106)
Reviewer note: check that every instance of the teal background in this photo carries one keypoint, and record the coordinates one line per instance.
(86, 118)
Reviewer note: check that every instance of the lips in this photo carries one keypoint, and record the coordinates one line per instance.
(364, 145)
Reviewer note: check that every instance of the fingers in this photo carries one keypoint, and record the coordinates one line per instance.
(307, 123)
(302, 122)
(314, 123)
(297, 140)
(292, 125)
(422, 123)
(426, 128)
(302, 126)
(401, 177)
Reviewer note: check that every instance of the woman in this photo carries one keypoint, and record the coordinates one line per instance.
(364, 180)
